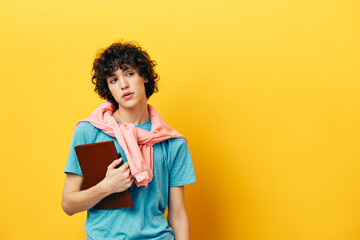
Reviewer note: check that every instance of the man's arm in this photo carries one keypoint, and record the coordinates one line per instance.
(177, 216)
(75, 200)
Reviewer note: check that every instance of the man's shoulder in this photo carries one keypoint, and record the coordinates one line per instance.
(86, 130)
(174, 144)
(85, 127)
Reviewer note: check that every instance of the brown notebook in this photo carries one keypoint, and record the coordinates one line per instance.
(94, 158)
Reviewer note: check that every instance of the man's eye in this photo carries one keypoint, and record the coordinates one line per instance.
(114, 80)
(130, 74)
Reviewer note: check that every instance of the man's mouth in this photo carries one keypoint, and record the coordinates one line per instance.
(127, 95)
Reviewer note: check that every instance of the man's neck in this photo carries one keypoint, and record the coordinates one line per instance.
(136, 116)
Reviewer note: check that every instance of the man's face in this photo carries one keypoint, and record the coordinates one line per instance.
(127, 87)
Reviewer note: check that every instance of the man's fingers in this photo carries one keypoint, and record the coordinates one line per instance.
(115, 163)
(124, 169)
(125, 166)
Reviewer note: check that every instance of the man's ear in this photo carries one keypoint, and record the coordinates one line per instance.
(146, 81)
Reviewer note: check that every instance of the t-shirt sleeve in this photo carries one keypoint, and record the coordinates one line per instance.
(80, 136)
(181, 168)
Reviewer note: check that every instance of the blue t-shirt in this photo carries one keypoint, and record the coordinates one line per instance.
(172, 166)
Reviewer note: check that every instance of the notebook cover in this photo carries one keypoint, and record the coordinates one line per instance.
(94, 158)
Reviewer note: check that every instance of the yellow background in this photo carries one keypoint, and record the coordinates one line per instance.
(267, 93)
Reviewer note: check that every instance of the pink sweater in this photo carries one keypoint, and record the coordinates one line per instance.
(136, 142)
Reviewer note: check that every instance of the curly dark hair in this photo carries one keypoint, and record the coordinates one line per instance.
(123, 55)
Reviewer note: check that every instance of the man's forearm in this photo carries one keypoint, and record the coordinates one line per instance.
(180, 225)
(78, 201)
(117, 179)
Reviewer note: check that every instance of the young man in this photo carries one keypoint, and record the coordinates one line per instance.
(157, 162)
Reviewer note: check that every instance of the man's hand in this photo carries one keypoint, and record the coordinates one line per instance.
(117, 179)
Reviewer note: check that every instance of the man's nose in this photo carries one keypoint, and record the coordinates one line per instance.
(123, 83)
